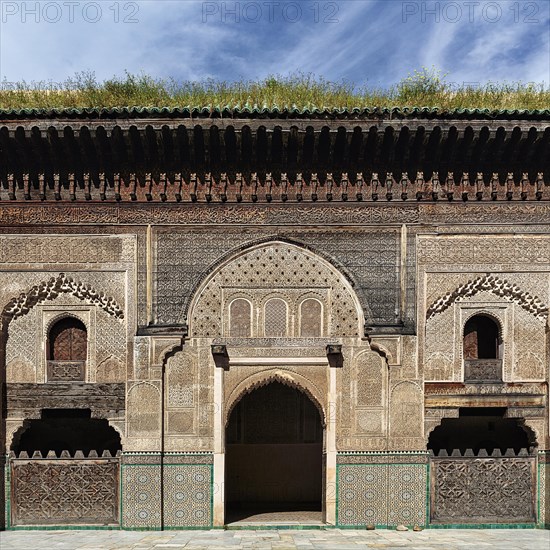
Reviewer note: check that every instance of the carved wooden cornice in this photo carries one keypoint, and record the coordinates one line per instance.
(222, 187)
(62, 151)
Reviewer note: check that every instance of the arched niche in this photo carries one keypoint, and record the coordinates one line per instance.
(311, 318)
(275, 318)
(282, 267)
(482, 348)
(240, 318)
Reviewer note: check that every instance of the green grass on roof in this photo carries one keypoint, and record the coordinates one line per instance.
(425, 88)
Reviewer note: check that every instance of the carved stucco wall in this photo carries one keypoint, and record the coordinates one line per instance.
(370, 256)
(503, 276)
(48, 277)
(188, 397)
(27, 337)
(363, 424)
(369, 387)
(282, 271)
(377, 408)
(523, 334)
(367, 417)
(189, 400)
(275, 270)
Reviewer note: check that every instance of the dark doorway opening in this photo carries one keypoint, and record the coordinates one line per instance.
(481, 428)
(66, 430)
(274, 457)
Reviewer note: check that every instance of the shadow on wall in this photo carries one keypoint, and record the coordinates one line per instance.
(481, 428)
(66, 430)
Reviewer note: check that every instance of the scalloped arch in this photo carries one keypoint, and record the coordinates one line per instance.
(485, 313)
(74, 314)
(51, 289)
(531, 432)
(499, 287)
(260, 379)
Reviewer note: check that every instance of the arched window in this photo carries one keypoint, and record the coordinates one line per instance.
(482, 350)
(275, 318)
(311, 319)
(481, 338)
(240, 319)
(67, 350)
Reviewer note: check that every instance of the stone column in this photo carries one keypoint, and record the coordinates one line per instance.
(219, 450)
(331, 451)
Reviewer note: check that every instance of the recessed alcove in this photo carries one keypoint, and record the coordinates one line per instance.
(479, 428)
(66, 430)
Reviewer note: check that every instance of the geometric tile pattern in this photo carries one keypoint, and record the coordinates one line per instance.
(141, 496)
(187, 495)
(362, 491)
(407, 495)
(186, 499)
(381, 494)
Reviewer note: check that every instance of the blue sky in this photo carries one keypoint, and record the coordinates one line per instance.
(374, 42)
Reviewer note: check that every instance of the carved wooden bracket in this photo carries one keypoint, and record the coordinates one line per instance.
(334, 355)
(221, 356)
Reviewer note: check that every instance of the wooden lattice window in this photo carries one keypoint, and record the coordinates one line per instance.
(311, 319)
(275, 318)
(240, 319)
(67, 350)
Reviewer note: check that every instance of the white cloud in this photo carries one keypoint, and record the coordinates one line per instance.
(370, 42)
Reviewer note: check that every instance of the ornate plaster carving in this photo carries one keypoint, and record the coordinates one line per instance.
(52, 288)
(500, 287)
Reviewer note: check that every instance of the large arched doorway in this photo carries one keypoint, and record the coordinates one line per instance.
(274, 457)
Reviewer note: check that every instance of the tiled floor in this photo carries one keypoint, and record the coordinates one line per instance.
(329, 539)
